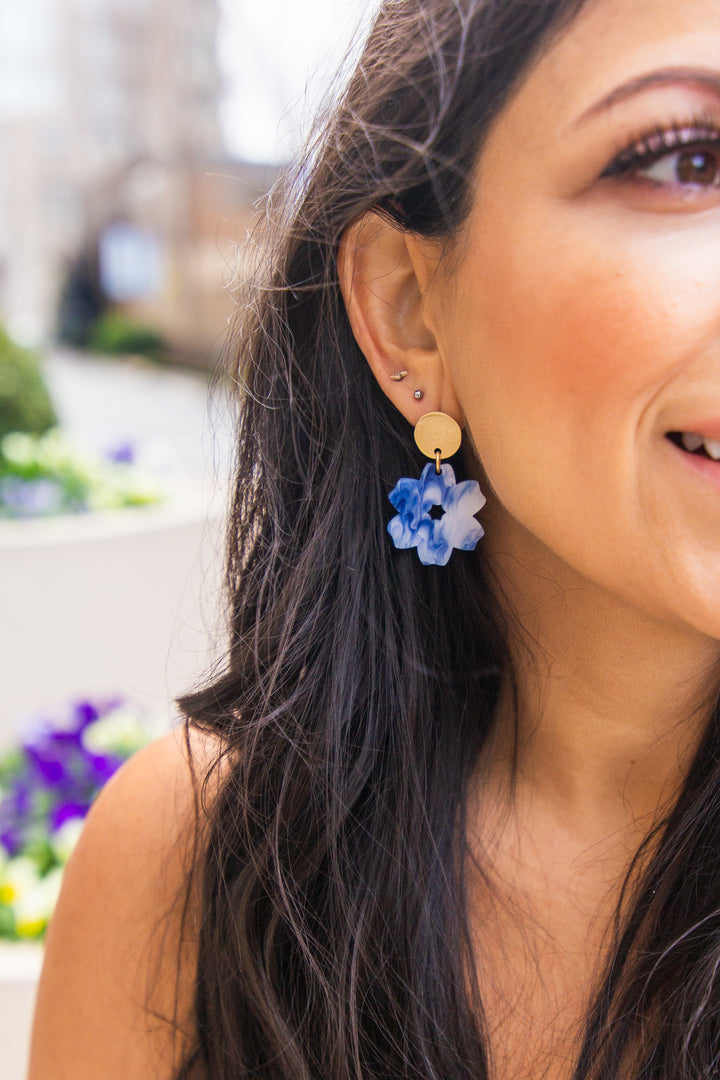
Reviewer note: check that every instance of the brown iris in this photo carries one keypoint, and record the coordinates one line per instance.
(697, 167)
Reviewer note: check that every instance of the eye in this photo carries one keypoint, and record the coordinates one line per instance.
(698, 167)
(681, 156)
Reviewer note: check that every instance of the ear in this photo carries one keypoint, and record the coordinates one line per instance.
(384, 276)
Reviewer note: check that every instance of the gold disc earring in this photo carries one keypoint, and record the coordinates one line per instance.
(438, 436)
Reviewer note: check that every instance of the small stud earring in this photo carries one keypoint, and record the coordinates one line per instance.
(418, 395)
(398, 376)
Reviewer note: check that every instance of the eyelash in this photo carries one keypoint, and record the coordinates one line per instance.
(647, 148)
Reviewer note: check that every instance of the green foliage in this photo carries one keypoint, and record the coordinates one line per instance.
(7, 923)
(114, 333)
(25, 404)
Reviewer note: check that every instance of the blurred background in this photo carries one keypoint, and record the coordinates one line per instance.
(135, 137)
(137, 140)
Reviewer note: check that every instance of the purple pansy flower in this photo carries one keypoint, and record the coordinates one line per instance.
(103, 766)
(37, 497)
(56, 776)
(47, 786)
(85, 712)
(122, 454)
(453, 525)
(11, 840)
(66, 810)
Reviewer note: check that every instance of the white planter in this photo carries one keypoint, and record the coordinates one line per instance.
(20, 966)
(122, 602)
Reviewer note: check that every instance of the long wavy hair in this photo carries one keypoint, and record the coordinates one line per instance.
(360, 686)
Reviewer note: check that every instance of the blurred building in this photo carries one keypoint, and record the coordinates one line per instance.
(108, 125)
(173, 240)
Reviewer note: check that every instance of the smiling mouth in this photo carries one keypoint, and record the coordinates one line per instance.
(694, 444)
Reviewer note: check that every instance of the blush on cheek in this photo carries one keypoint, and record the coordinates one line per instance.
(608, 336)
(638, 308)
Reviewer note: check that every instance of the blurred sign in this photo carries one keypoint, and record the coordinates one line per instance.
(131, 263)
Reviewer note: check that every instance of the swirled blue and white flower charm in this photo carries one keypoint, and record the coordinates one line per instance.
(435, 514)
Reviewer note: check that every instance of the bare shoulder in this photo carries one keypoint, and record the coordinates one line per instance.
(116, 990)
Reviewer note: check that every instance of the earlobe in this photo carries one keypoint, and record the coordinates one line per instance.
(384, 301)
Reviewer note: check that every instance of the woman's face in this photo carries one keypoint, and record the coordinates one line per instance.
(580, 316)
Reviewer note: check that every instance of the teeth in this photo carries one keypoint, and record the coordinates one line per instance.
(693, 442)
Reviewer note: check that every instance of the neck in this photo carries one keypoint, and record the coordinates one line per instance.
(610, 703)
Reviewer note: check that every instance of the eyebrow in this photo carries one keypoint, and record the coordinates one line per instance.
(702, 77)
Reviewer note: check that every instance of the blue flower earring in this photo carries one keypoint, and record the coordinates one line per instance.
(435, 514)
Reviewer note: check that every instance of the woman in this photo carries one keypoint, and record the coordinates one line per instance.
(466, 817)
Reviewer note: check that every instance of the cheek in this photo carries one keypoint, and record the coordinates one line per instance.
(561, 349)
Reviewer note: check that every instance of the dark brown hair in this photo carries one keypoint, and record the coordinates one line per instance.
(360, 686)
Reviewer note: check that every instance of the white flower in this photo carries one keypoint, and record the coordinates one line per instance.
(56, 451)
(19, 877)
(18, 448)
(30, 897)
(32, 911)
(123, 485)
(119, 732)
(64, 840)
